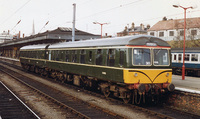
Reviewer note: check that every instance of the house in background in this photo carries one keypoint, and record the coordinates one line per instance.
(174, 29)
(134, 30)
(5, 36)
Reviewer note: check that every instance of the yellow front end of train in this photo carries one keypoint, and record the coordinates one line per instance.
(147, 76)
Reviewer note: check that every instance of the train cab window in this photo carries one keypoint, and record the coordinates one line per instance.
(111, 57)
(194, 57)
(82, 56)
(99, 57)
(179, 57)
(161, 57)
(74, 56)
(67, 56)
(141, 56)
(187, 57)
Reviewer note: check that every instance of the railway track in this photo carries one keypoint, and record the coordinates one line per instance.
(155, 112)
(68, 102)
(12, 107)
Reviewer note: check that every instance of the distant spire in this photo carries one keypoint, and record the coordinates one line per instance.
(33, 32)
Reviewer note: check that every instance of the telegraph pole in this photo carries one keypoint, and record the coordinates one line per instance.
(73, 30)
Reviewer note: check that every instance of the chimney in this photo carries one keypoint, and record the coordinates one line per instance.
(142, 26)
(148, 26)
(23, 35)
(19, 35)
(8, 32)
(133, 26)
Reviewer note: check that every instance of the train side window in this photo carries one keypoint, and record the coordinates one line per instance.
(179, 57)
(175, 56)
(111, 57)
(74, 56)
(62, 58)
(82, 56)
(194, 57)
(121, 58)
(57, 55)
(90, 56)
(67, 56)
(52, 54)
(187, 57)
(39, 54)
(99, 57)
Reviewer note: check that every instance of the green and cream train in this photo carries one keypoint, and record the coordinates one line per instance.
(132, 68)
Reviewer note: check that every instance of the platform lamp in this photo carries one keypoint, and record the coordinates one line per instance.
(185, 8)
(101, 26)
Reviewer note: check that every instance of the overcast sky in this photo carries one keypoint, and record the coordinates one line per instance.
(59, 13)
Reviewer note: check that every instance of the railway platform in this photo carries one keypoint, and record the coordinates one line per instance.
(190, 84)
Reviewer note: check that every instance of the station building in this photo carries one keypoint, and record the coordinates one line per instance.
(61, 34)
(5, 36)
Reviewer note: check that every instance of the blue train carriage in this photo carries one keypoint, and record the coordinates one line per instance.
(133, 68)
(192, 61)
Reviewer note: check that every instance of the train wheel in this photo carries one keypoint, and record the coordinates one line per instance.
(36, 70)
(27, 67)
(127, 98)
(60, 76)
(106, 92)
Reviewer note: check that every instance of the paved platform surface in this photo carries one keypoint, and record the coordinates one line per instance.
(190, 84)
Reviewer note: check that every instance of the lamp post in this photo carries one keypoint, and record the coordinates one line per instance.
(183, 67)
(101, 26)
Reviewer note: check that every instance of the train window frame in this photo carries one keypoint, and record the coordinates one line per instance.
(49, 58)
(147, 63)
(74, 56)
(187, 57)
(121, 57)
(180, 57)
(99, 57)
(57, 56)
(67, 56)
(110, 57)
(196, 58)
(82, 56)
(174, 57)
(90, 53)
(165, 58)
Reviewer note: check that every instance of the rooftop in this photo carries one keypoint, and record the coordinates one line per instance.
(176, 24)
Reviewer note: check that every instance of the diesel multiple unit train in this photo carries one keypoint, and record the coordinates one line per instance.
(133, 68)
(192, 61)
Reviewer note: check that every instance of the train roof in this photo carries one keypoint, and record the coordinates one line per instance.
(187, 50)
(136, 40)
(40, 46)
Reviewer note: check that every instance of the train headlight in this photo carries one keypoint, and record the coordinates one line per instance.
(135, 74)
(167, 74)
